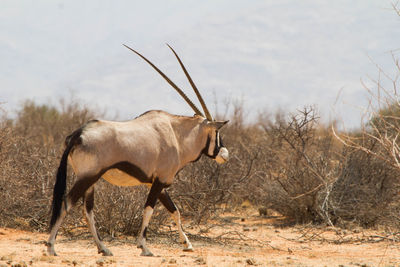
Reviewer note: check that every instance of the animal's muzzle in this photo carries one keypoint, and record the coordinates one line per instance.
(223, 155)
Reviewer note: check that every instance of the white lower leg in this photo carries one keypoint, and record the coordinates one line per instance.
(88, 207)
(100, 246)
(177, 218)
(148, 211)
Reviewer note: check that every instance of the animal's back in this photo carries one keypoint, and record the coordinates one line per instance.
(143, 142)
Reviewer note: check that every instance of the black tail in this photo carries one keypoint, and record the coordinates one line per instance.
(61, 180)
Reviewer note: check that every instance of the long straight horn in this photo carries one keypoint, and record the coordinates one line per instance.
(193, 106)
(203, 104)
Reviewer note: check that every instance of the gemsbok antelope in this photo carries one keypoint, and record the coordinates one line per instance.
(149, 149)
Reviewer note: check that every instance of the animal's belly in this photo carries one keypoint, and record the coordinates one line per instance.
(118, 177)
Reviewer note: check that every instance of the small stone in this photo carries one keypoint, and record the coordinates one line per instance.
(246, 229)
(19, 264)
(100, 262)
(172, 261)
(200, 261)
(6, 258)
(74, 262)
(250, 261)
(263, 211)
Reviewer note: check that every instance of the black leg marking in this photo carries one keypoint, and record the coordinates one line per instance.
(89, 201)
(145, 232)
(167, 201)
(155, 191)
(89, 205)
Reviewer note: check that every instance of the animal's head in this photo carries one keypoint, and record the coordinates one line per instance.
(214, 147)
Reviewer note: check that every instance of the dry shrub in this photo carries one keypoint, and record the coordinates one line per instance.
(302, 165)
(30, 147)
(312, 177)
(371, 181)
(290, 163)
(366, 190)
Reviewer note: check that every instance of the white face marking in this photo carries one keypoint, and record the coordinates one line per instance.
(223, 156)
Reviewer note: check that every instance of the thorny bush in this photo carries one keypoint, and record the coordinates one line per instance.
(290, 163)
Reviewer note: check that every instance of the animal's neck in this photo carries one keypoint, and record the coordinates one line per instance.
(192, 138)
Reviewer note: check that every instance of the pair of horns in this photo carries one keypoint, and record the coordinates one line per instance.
(191, 104)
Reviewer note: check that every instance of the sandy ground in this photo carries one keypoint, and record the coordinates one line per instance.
(234, 240)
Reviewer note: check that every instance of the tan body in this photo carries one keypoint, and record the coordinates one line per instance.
(160, 143)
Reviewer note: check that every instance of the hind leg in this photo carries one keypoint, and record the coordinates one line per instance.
(77, 191)
(88, 207)
(54, 229)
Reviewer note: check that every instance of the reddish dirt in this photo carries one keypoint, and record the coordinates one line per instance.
(234, 240)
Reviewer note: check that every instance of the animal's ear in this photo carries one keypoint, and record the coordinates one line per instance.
(217, 124)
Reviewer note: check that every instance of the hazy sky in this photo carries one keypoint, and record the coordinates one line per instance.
(271, 54)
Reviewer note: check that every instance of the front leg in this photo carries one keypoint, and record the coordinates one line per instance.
(155, 190)
(170, 206)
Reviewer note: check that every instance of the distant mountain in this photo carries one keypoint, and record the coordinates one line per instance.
(271, 54)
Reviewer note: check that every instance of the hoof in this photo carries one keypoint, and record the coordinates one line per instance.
(52, 254)
(51, 251)
(146, 253)
(190, 249)
(106, 252)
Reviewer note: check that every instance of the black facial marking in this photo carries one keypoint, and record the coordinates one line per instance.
(145, 232)
(167, 201)
(216, 147)
(207, 147)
